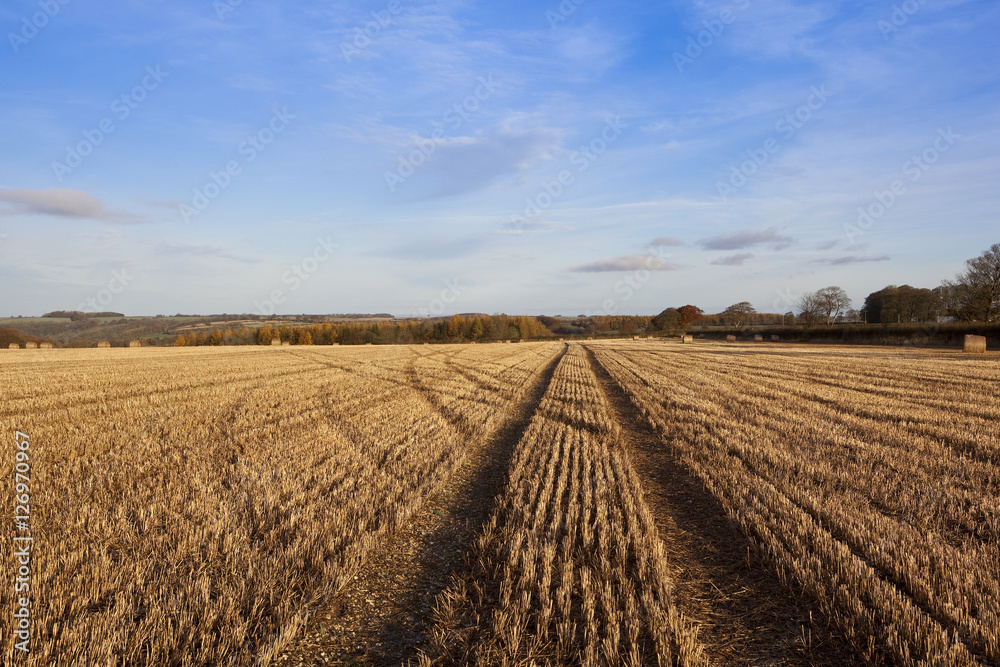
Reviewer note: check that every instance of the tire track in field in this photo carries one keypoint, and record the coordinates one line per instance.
(384, 617)
(747, 616)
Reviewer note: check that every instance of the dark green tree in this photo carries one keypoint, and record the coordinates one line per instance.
(669, 320)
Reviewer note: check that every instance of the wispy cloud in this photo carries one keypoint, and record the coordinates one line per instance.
(851, 259)
(175, 249)
(830, 245)
(664, 241)
(468, 163)
(434, 250)
(748, 239)
(625, 263)
(528, 226)
(589, 50)
(782, 28)
(59, 202)
(733, 260)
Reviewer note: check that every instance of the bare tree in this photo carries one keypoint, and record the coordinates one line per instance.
(810, 309)
(738, 312)
(975, 294)
(832, 301)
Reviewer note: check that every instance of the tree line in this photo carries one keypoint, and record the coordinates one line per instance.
(973, 296)
(458, 328)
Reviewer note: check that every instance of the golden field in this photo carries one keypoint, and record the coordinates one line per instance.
(870, 476)
(202, 506)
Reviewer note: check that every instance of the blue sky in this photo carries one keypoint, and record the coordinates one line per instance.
(524, 157)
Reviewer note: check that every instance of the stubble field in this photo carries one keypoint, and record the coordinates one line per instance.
(598, 503)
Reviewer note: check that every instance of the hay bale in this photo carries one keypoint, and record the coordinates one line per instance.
(135, 343)
(687, 339)
(13, 346)
(775, 337)
(45, 346)
(104, 343)
(287, 343)
(758, 339)
(275, 341)
(975, 344)
(730, 338)
(30, 345)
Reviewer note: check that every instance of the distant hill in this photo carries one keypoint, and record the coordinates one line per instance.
(77, 314)
(74, 328)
